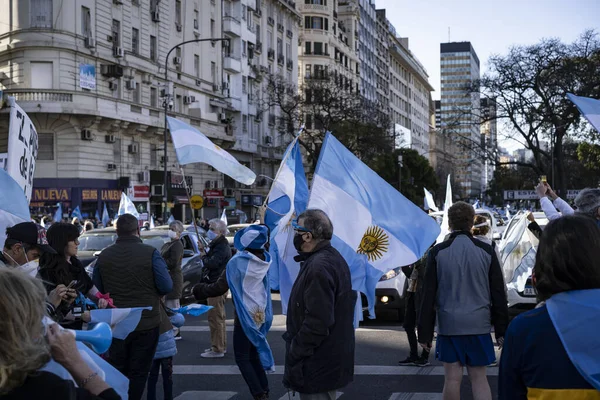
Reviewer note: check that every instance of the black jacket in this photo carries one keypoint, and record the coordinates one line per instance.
(320, 324)
(47, 386)
(172, 252)
(216, 259)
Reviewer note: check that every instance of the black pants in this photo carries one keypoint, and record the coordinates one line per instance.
(410, 323)
(133, 358)
(165, 366)
(247, 360)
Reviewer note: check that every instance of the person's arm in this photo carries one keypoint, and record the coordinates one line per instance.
(426, 315)
(549, 209)
(319, 315)
(205, 290)
(97, 278)
(510, 382)
(498, 297)
(162, 279)
(174, 255)
(563, 206)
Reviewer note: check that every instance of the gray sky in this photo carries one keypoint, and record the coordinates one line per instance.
(491, 26)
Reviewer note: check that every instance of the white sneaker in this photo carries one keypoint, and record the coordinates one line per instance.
(210, 349)
(212, 354)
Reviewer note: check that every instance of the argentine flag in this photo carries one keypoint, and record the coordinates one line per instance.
(247, 276)
(58, 214)
(429, 203)
(191, 146)
(375, 228)
(445, 227)
(14, 207)
(288, 197)
(590, 108)
(122, 321)
(105, 217)
(76, 213)
(126, 206)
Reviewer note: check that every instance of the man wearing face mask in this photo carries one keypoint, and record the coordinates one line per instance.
(215, 261)
(319, 337)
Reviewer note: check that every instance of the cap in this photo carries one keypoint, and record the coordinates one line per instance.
(30, 233)
(252, 237)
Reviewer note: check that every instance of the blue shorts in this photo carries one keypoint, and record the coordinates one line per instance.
(471, 350)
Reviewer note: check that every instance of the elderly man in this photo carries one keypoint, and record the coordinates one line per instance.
(588, 203)
(135, 275)
(320, 321)
(215, 261)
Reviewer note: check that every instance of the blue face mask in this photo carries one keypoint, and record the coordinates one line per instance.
(211, 235)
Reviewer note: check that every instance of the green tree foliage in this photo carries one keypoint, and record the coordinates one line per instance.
(416, 173)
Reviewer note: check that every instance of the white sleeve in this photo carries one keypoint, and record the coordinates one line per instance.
(549, 209)
(563, 206)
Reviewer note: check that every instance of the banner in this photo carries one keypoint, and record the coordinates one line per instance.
(87, 76)
(22, 148)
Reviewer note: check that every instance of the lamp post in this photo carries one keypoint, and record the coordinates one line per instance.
(168, 102)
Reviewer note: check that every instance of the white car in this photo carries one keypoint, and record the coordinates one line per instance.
(389, 292)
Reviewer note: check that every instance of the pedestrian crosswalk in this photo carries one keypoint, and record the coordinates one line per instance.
(222, 395)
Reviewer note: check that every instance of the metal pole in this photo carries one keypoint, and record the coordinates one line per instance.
(166, 107)
(400, 173)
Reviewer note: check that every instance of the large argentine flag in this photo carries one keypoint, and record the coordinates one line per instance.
(14, 207)
(126, 206)
(288, 197)
(191, 146)
(375, 228)
(590, 108)
(122, 321)
(517, 252)
(248, 280)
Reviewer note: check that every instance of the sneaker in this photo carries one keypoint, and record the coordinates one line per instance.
(422, 362)
(408, 361)
(212, 354)
(210, 349)
(177, 333)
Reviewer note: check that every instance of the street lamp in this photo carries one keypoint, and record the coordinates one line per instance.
(400, 165)
(168, 101)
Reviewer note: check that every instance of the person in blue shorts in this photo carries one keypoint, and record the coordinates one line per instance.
(465, 287)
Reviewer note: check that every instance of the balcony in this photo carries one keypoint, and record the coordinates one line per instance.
(280, 27)
(258, 47)
(271, 54)
(290, 65)
(280, 59)
(289, 34)
(232, 26)
(232, 63)
(270, 21)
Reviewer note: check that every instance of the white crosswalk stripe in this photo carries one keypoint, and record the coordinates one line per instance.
(205, 395)
(289, 396)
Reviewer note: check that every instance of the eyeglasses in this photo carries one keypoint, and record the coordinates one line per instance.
(299, 228)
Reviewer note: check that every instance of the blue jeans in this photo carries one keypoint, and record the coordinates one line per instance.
(166, 365)
(247, 360)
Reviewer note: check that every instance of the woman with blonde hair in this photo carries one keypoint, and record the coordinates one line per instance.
(24, 350)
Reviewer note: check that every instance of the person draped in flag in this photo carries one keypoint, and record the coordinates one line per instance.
(246, 275)
(553, 351)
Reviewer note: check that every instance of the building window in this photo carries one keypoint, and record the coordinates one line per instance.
(319, 2)
(244, 85)
(244, 123)
(178, 12)
(316, 23)
(307, 46)
(288, 51)
(153, 151)
(213, 72)
(178, 55)
(41, 75)
(135, 41)
(197, 65)
(307, 70)
(212, 30)
(279, 47)
(41, 13)
(153, 48)
(116, 33)
(45, 146)
(153, 97)
(137, 94)
(318, 48)
(86, 22)
(244, 48)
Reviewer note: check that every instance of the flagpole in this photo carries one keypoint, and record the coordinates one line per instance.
(264, 206)
(187, 191)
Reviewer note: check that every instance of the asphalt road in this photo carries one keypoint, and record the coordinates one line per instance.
(379, 346)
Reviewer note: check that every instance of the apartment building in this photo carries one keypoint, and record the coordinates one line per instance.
(489, 140)
(460, 113)
(90, 74)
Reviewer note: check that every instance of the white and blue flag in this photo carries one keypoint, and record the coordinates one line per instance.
(105, 217)
(288, 197)
(76, 213)
(375, 228)
(126, 206)
(152, 222)
(429, 203)
(224, 217)
(14, 207)
(58, 214)
(192, 146)
(122, 321)
(445, 226)
(247, 276)
(171, 219)
(97, 215)
(590, 108)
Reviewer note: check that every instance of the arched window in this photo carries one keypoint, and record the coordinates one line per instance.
(41, 13)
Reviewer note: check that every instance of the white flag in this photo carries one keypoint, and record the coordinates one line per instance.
(126, 207)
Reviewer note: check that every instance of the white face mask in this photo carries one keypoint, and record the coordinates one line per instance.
(30, 268)
(211, 235)
(172, 234)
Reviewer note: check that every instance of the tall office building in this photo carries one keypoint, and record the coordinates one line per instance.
(460, 113)
(489, 140)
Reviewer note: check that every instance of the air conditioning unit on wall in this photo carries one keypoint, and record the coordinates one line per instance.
(133, 148)
(110, 138)
(86, 134)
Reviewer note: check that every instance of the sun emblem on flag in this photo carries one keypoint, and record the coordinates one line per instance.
(374, 244)
(258, 316)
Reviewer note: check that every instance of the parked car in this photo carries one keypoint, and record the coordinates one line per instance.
(389, 292)
(187, 227)
(94, 241)
(191, 264)
(232, 230)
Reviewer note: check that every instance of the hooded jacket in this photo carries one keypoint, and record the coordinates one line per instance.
(544, 357)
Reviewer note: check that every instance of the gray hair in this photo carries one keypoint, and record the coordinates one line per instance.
(588, 202)
(318, 223)
(218, 226)
(177, 226)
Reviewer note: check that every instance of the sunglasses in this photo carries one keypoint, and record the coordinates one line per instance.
(299, 228)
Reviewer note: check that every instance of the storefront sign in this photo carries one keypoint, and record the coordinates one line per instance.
(213, 193)
(22, 148)
(51, 194)
(89, 195)
(177, 181)
(87, 76)
(246, 200)
(197, 202)
(252, 200)
(110, 195)
(139, 192)
(532, 195)
(229, 203)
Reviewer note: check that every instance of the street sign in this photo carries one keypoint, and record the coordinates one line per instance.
(196, 201)
(531, 194)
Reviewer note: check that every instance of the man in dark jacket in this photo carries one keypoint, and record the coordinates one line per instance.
(135, 275)
(320, 321)
(215, 261)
